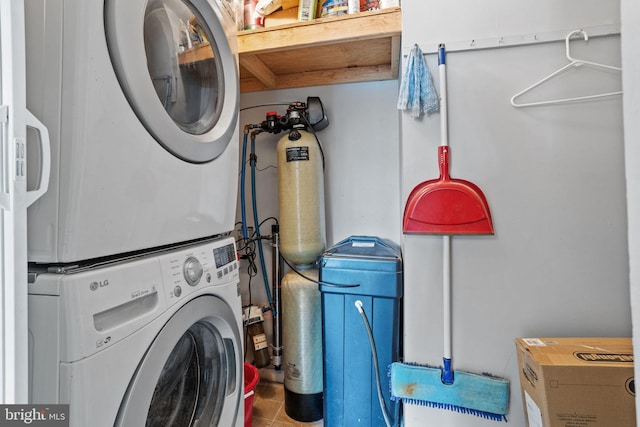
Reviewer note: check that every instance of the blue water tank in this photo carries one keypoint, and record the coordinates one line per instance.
(368, 269)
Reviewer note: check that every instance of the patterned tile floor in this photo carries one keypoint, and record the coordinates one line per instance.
(268, 408)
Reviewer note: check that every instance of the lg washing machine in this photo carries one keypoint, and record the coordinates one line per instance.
(140, 98)
(152, 340)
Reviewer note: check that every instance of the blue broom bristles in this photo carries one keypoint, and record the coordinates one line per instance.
(454, 408)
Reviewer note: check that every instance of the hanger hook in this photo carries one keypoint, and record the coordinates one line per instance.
(571, 34)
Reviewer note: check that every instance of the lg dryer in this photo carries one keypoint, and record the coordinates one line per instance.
(141, 101)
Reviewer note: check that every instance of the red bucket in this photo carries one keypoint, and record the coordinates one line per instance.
(251, 379)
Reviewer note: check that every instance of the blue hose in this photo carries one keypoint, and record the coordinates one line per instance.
(243, 208)
(256, 222)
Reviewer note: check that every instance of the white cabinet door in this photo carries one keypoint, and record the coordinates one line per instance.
(14, 200)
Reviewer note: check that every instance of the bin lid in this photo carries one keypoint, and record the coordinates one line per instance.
(364, 247)
(362, 265)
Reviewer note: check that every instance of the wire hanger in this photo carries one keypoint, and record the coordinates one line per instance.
(573, 62)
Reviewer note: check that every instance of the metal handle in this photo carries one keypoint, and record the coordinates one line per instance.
(447, 374)
(442, 69)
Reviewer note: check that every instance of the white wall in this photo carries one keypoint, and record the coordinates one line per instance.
(501, 22)
(554, 178)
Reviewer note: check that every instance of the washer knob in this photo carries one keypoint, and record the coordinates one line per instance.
(192, 270)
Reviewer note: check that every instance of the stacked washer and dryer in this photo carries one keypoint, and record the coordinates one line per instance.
(134, 303)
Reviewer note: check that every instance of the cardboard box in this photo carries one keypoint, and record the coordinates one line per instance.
(281, 17)
(577, 382)
(289, 4)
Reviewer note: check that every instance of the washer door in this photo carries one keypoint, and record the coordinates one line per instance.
(191, 374)
(176, 63)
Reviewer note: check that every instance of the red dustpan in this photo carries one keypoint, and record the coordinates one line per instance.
(446, 205)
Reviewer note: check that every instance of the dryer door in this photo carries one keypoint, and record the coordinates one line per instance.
(176, 61)
(191, 375)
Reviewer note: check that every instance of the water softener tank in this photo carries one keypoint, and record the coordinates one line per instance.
(301, 198)
(302, 342)
(302, 240)
(366, 269)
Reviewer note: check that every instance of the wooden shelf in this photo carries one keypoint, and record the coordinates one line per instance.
(196, 54)
(343, 49)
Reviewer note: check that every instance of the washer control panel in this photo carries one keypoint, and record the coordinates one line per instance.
(191, 269)
(100, 306)
(226, 260)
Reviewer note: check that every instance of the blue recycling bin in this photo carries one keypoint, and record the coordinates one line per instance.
(366, 269)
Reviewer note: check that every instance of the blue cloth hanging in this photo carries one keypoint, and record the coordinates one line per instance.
(417, 91)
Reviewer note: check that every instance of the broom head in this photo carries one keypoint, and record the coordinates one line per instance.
(484, 395)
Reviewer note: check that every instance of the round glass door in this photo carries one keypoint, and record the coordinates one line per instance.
(192, 384)
(190, 88)
(175, 63)
(191, 373)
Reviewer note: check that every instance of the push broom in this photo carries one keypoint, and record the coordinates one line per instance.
(448, 206)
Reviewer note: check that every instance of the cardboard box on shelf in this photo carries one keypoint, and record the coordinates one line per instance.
(281, 17)
(574, 382)
(288, 4)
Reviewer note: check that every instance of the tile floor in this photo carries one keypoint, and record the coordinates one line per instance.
(268, 407)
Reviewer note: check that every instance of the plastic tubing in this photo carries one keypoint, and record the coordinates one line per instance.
(243, 207)
(256, 222)
(374, 356)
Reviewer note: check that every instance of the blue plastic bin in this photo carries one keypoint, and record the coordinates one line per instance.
(375, 266)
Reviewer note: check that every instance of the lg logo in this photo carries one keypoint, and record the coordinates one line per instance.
(94, 286)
